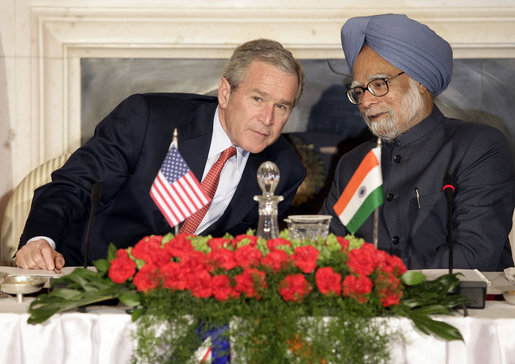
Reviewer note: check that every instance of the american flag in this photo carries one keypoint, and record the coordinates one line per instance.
(176, 191)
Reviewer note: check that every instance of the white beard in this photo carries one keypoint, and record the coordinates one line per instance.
(390, 126)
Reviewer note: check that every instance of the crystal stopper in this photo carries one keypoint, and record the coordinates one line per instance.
(268, 177)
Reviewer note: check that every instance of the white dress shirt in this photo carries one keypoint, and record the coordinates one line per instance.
(229, 177)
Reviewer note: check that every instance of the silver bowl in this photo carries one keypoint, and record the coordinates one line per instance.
(19, 285)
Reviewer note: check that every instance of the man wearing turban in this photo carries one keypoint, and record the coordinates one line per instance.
(398, 66)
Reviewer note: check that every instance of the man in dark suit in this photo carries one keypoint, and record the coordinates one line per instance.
(261, 84)
(398, 66)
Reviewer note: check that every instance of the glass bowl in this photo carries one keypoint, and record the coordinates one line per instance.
(308, 227)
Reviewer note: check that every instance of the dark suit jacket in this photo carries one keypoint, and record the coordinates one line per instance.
(479, 159)
(125, 155)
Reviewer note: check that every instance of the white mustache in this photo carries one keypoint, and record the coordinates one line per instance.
(371, 113)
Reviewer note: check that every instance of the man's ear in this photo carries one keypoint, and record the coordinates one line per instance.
(224, 92)
(421, 88)
(426, 95)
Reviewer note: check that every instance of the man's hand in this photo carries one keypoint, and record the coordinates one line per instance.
(39, 254)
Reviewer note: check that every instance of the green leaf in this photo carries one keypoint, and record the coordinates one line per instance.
(354, 242)
(332, 244)
(166, 238)
(285, 234)
(438, 328)
(324, 255)
(67, 293)
(130, 298)
(412, 278)
(111, 252)
(137, 313)
(102, 265)
(200, 243)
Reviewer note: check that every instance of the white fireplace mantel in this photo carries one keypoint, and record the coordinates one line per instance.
(42, 43)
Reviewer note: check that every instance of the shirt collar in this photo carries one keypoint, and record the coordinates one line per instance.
(421, 129)
(220, 141)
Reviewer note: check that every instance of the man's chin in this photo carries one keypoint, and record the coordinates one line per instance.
(384, 134)
(254, 148)
(256, 144)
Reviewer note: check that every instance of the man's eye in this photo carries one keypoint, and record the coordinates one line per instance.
(358, 91)
(257, 98)
(378, 84)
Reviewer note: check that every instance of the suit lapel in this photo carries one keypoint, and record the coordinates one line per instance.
(195, 139)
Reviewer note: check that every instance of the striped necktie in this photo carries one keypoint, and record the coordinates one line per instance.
(209, 184)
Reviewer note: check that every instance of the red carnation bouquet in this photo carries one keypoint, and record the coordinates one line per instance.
(305, 301)
(236, 268)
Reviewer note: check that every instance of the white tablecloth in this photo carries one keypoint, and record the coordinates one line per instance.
(103, 335)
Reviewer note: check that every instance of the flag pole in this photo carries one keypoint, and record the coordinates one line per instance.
(376, 212)
(175, 142)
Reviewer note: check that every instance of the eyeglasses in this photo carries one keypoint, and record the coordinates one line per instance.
(377, 87)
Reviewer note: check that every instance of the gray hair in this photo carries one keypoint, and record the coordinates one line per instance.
(267, 51)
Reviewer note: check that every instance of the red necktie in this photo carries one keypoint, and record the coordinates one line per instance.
(209, 184)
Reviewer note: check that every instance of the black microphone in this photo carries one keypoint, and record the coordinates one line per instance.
(474, 290)
(448, 189)
(96, 193)
(448, 186)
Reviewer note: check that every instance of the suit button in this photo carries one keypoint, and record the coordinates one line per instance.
(397, 158)
(395, 240)
(389, 197)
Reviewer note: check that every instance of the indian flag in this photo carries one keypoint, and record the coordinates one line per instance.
(363, 194)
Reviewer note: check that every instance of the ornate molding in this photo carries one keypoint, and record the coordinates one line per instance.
(52, 36)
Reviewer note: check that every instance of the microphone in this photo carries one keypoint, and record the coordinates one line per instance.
(448, 186)
(96, 193)
(474, 290)
(448, 189)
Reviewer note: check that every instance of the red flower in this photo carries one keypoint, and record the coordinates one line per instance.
(194, 261)
(182, 275)
(221, 258)
(244, 238)
(179, 245)
(344, 243)
(390, 263)
(215, 243)
(294, 287)
(328, 281)
(305, 258)
(362, 260)
(222, 289)
(389, 288)
(247, 256)
(122, 267)
(274, 243)
(250, 282)
(276, 260)
(357, 287)
(147, 278)
(200, 284)
(389, 299)
(150, 250)
(174, 277)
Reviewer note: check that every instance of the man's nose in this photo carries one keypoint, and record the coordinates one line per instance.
(368, 99)
(267, 114)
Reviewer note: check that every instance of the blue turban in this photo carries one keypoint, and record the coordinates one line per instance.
(407, 44)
